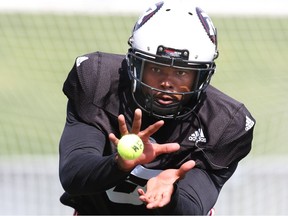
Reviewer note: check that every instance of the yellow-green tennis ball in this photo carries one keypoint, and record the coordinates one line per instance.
(130, 146)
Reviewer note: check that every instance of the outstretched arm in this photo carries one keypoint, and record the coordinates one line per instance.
(81, 155)
(194, 193)
(151, 151)
(161, 187)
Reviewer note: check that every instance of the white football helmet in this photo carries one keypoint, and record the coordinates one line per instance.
(177, 34)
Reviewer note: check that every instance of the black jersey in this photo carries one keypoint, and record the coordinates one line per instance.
(217, 135)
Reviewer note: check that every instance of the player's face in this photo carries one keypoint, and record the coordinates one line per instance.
(173, 80)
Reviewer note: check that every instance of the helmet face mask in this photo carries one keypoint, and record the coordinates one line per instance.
(193, 50)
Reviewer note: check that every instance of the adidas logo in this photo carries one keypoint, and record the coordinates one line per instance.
(197, 136)
(249, 123)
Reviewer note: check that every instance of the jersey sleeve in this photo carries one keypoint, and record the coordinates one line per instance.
(84, 146)
(92, 88)
(83, 82)
(235, 140)
(84, 167)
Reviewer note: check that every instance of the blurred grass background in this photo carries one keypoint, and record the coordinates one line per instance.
(38, 50)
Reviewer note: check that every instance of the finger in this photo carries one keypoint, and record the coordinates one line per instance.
(136, 125)
(153, 203)
(113, 139)
(152, 128)
(142, 195)
(167, 148)
(140, 191)
(150, 206)
(186, 167)
(158, 201)
(165, 200)
(143, 198)
(122, 125)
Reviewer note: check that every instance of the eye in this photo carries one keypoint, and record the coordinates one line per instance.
(181, 73)
(156, 69)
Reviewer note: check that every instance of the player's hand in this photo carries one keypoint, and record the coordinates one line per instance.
(161, 187)
(151, 151)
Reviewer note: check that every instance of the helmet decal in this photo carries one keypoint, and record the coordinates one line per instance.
(208, 25)
(148, 14)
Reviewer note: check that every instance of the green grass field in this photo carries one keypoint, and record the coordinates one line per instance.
(37, 52)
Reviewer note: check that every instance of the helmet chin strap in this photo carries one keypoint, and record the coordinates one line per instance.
(171, 110)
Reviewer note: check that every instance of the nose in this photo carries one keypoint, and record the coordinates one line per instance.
(166, 83)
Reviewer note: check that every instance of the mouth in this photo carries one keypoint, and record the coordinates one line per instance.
(165, 99)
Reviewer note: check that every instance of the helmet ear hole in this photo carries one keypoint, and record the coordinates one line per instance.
(130, 41)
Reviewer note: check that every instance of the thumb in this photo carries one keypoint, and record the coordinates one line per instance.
(167, 148)
(186, 167)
